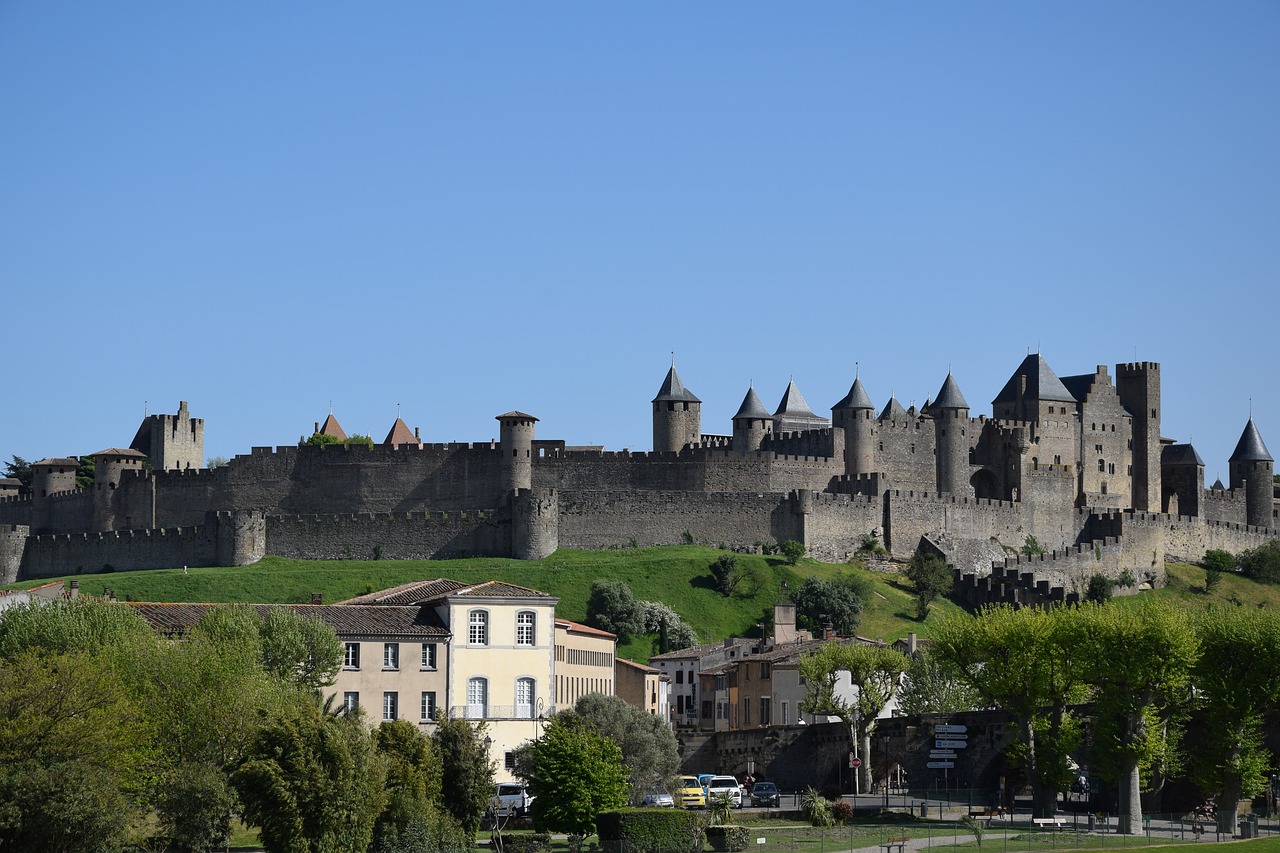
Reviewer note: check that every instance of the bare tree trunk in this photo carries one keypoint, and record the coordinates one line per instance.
(1130, 819)
(1229, 803)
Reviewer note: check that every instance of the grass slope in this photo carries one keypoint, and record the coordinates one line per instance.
(678, 576)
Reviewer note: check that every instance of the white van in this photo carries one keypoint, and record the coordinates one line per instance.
(510, 799)
(724, 786)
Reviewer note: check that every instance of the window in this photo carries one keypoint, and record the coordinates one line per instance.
(526, 621)
(478, 628)
(1102, 465)
(524, 698)
(351, 657)
(428, 706)
(509, 760)
(390, 706)
(786, 713)
(428, 655)
(764, 671)
(391, 656)
(679, 676)
(350, 701)
(477, 698)
(765, 709)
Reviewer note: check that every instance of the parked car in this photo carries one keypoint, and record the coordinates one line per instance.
(660, 798)
(724, 786)
(689, 793)
(765, 794)
(510, 798)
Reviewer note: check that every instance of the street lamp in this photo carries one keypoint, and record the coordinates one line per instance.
(887, 771)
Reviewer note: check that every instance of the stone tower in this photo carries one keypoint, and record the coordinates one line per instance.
(171, 442)
(515, 441)
(855, 415)
(677, 416)
(951, 422)
(1138, 384)
(1252, 468)
(752, 424)
(49, 477)
(109, 466)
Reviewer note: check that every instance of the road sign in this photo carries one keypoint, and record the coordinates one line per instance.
(855, 762)
(940, 765)
(942, 753)
(950, 730)
(950, 744)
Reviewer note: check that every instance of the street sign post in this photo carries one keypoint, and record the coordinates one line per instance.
(855, 761)
(940, 765)
(950, 744)
(950, 730)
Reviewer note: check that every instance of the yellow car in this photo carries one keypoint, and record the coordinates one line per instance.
(688, 794)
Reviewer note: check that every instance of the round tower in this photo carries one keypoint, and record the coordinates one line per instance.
(1252, 468)
(109, 466)
(677, 416)
(752, 424)
(856, 416)
(950, 415)
(515, 442)
(48, 478)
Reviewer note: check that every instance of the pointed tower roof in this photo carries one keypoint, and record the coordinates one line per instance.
(857, 398)
(331, 427)
(892, 410)
(401, 434)
(949, 397)
(752, 407)
(793, 403)
(1217, 485)
(1180, 454)
(673, 389)
(1250, 447)
(1042, 383)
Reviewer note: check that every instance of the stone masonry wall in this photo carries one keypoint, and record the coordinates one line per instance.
(127, 550)
(604, 520)
(396, 536)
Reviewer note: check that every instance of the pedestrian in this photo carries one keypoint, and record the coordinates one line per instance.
(1198, 828)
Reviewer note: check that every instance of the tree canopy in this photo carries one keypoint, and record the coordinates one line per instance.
(574, 773)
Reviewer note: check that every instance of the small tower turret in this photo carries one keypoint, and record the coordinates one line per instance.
(752, 424)
(515, 441)
(677, 416)
(950, 414)
(1252, 468)
(49, 477)
(109, 467)
(855, 414)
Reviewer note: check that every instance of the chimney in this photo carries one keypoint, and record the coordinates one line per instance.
(317, 598)
(828, 631)
(416, 434)
(784, 623)
(911, 642)
(317, 429)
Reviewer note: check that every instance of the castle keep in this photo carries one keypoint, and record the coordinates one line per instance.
(1074, 466)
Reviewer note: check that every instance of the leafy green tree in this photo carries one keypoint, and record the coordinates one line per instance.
(1099, 590)
(875, 673)
(304, 651)
(317, 439)
(194, 808)
(83, 624)
(650, 752)
(612, 607)
(1237, 679)
(840, 600)
(931, 577)
(20, 470)
(1139, 661)
(727, 572)
(84, 473)
(1262, 564)
(413, 779)
(466, 769)
(793, 551)
(73, 750)
(1031, 663)
(575, 773)
(1218, 560)
(673, 632)
(312, 782)
(932, 686)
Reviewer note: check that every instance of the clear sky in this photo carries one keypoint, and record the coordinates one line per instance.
(467, 208)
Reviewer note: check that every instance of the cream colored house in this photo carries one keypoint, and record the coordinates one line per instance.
(645, 687)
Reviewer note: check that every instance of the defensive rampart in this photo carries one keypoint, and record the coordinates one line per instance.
(621, 519)
(390, 536)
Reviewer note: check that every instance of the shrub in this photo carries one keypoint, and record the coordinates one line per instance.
(1262, 564)
(534, 842)
(648, 830)
(841, 811)
(1100, 589)
(793, 551)
(728, 837)
(1212, 577)
(1215, 559)
(816, 808)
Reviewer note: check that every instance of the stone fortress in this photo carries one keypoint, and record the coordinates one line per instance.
(1069, 477)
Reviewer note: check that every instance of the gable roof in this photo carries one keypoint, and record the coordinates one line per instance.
(429, 591)
(673, 389)
(1250, 447)
(1180, 454)
(1042, 383)
(343, 619)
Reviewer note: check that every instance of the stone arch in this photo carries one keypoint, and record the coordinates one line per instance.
(985, 485)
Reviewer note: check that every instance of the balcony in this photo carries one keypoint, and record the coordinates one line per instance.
(498, 712)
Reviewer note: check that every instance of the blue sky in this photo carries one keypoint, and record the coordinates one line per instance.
(464, 209)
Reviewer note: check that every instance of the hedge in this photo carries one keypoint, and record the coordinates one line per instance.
(648, 831)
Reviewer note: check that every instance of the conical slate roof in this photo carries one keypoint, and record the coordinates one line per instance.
(1042, 383)
(892, 410)
(793, 403)
(1217, 485)
(673, 389)
(751, 406)
(401, 434)
(1250, 447)
(950, 397)
(856, 398)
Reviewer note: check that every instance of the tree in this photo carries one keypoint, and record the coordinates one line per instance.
(1215, 559)
(839, 601)
(85, 472)
(1030, 662)
(1100, 589)
(20, 470)
(217, 462)
(318, 439)
(83, 624)
(673, 632)
(874, 672)
(1139, 661)
(1237, 680)
(303, 651)
(467, 770)
(413, 779)
(728, 573)
(931, 577)
(650, 752)
(933, 686)
(312, 782)
(1262, 564)
(793, 551)
(575, 773)
(611, 607)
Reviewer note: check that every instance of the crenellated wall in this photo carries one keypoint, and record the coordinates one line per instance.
(389, 536)
(620, 519)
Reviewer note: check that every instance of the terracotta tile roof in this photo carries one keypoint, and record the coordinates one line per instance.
(500, 589)
(60, 461)
(331, 427)
(10, 481)
(401, 434)
(344, 620)
(119, 451)
(579, 628)
(700, 651)
(633, 665)
(427, 591)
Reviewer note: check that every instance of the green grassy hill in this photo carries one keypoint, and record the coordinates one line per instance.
(679, 576)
